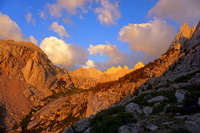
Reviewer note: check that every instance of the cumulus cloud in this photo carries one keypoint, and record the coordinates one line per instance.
(29, 18)
(151, 38)
(33, 40)
(59, 29)
(9, 29)
(89, 64)
(115, 56)
(69, 6)
(62, 54)
(109, 12)
(181, 11)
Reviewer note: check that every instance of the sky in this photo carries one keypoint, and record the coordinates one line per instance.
(97, 33)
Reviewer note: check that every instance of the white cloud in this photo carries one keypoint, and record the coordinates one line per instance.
(33, 40)
(152, 38)
(59, 29)
(181, 11)
(89, 64)
(29, 18)
(9, 29)
(63, 54)
(42, 14)
(69, 6)
(115, 56)
(109, 12)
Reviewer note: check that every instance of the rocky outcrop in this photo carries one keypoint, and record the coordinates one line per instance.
(27, 76)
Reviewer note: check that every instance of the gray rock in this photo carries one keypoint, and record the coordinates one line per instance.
(147, 110)
(133, 108)
(180, 94)
(193, 123)
(88, 130)
(152, 127)
(156, 104)
(129, 128)
(147, 97)
(181, 117)
(157, 99)
(82, 125)
(68, 130)
(199, 101)
(168, 123)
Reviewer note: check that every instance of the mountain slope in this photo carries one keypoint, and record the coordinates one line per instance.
(102, 95)
(172, 91)
(27, 76)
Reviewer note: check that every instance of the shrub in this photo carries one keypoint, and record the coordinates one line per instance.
(185, 78)
(111, 123)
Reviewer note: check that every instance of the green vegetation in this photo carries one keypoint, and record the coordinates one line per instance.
(140, 99)
(185, 78)
(111, 119)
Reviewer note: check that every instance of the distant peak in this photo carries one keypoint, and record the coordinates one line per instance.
(126, 67)
(138, 65)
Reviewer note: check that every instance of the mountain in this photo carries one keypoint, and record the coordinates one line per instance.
(87, 78)
(26, 77)
(171, 72)
(168, 86)
(138, 65)
(31, 82)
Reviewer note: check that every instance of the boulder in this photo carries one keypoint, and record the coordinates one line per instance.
(180, 94)
(152, 127)
(147, 110)
(82, 125)
(129, 128)
(157, 99)
(133, 108)
(147, 97)
(68, 130)
(192, 123)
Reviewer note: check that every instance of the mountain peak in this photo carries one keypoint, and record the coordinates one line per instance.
(138, 65)
(113, 70)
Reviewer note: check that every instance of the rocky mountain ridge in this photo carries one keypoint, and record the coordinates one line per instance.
(173, 64)
(86, 78)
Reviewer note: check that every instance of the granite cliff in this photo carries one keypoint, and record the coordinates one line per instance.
(26, 77)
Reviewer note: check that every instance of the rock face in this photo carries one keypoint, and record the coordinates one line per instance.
(27, 76)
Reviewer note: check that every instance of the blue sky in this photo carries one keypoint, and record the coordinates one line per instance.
(97, 33)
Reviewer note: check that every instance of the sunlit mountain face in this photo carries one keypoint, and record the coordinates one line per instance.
(82, 66)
